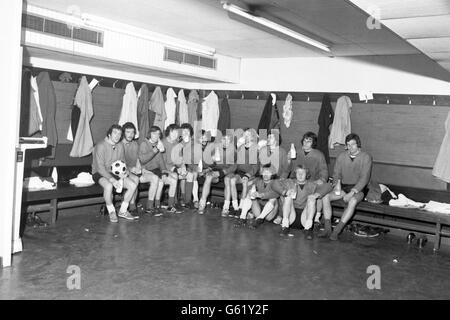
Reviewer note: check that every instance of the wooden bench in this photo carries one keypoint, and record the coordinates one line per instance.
(405, 218)
(68, 196)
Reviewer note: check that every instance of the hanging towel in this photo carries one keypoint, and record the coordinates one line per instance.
(83, 143)
(192, 107)
(183, 110)
(31, 120)
(129, 107)
(224, 116)
(47, 103)
(441, 168)
(157, 106)
(287, 111)
(35, 92)
(210, 113)
(142, 113)
(170, 107)
(341, 124)
(326, 116)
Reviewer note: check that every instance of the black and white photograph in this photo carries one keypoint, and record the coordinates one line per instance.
(235, 157)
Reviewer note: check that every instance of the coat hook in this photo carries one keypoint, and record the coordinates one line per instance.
(409, 100)
(228, 96)
(114, 84)
(307, 99)
(242, 96)
(257, 97)
(434, 101)
(387, 101)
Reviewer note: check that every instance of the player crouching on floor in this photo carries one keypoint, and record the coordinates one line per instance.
(264, 193)
(302, 194)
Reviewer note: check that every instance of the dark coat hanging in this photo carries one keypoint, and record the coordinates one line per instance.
(142, 113)
(47, 101)
(324, 121)
(270, 118)
(224, 122)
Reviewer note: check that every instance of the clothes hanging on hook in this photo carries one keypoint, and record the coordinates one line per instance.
(224, 122)
(341, 126)
(129, 107)
(326, 116)
(287, 111)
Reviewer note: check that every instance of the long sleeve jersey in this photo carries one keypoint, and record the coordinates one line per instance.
(150, 160)
(314, 161)
(104, 155)
(172, 159)
(354, 171)
(131, 153)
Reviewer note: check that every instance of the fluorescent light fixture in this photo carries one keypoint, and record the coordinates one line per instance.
(274, 26)
(102, 23)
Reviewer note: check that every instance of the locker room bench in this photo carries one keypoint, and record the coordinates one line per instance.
(401, 218)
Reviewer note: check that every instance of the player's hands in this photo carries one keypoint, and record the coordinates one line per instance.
(348, 196)
(291, 193)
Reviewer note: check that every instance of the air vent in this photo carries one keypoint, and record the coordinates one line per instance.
(61, 29)
(189, 58)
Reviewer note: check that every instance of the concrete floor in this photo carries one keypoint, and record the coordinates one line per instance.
(188, 256)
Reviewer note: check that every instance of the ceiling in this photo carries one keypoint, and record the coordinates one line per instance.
(425, 24)
(206, 22)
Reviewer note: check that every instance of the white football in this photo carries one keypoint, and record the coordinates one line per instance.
(119, 168)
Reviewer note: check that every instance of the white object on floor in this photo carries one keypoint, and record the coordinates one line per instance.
(439, 207)
(83, 179)
(404, 202)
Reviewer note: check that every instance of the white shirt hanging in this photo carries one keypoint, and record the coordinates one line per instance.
(210, 113)
(287, 111)
(170, 106)
(183, 111)
(129, 107)
(341, 126)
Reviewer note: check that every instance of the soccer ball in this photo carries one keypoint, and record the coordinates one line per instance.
(119, 168)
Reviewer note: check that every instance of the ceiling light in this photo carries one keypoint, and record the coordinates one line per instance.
(274, 26)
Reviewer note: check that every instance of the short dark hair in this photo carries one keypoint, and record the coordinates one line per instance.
(303, 167)
(154, 129)
(128, 125)
(170, 128)
(353, 136)
(187, 126)
(114, 126)
(310, 135)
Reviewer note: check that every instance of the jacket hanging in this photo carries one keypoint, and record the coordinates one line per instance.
(183, 113)
(210, 113)
(326, 116)
(47, 102)
(192, 107)
(129, 107)
(83, 143)
(142, 113)
(441, 168)
(341, 123)
(224, 116)
(170, 107)
(157, 106)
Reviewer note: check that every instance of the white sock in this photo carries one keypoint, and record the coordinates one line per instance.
(266, 210)
(308, 224)
(110, 208)
(246, 205)
(236, 205)
(195, 191)
(226, 204)
(123, 207)
(285, 223)
(318, 215)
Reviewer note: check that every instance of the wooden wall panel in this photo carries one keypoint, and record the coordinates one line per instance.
(404, 140)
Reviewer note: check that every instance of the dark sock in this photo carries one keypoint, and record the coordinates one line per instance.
(150, 204)
(171, 201)
(158, 203)
(132, 206)
(337, 230)
(327, 225)
(188, 195)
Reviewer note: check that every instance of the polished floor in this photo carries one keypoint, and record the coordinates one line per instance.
(189, 256)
